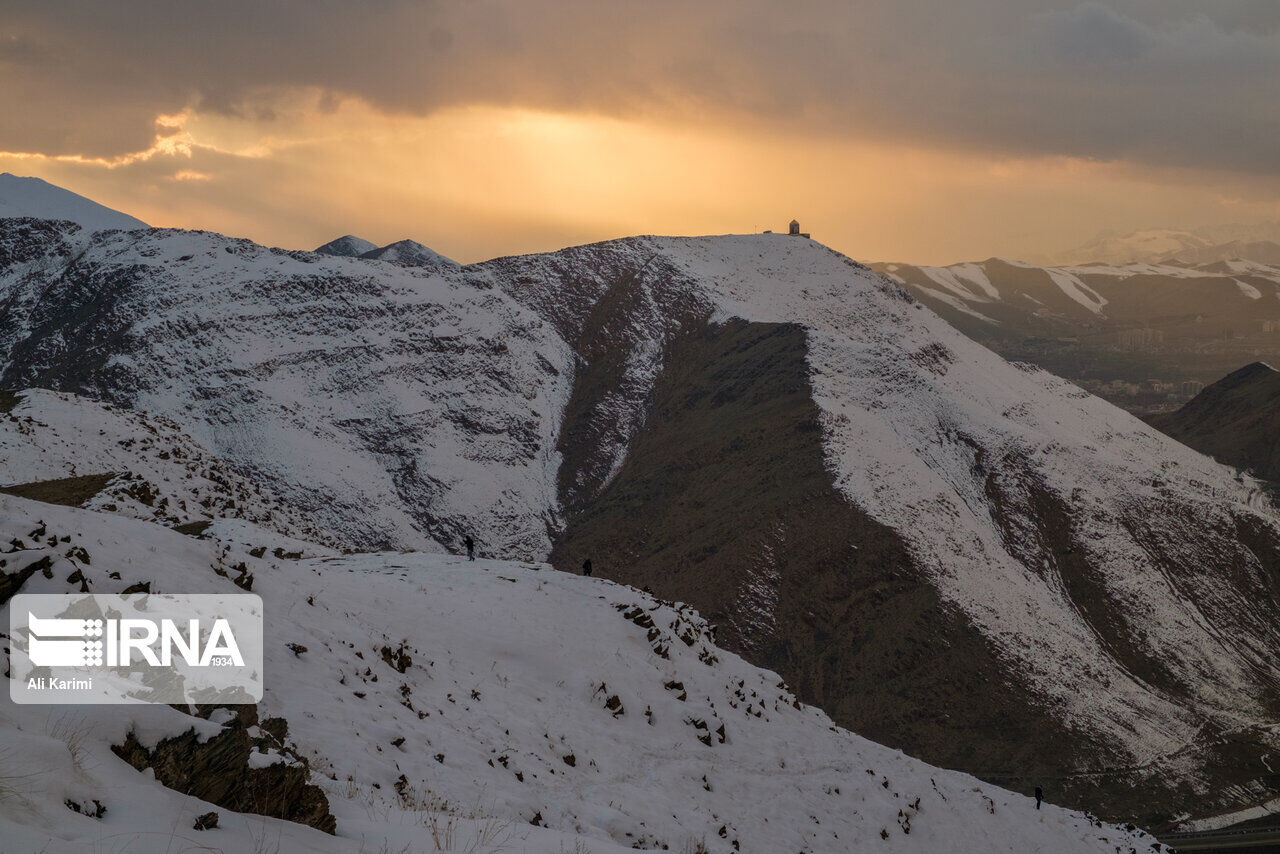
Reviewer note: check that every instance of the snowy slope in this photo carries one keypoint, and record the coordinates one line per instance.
(32, 197)
(1104, 562)
(1120, 296)
(908, 400)
(504, 705)
(159, 473)
(346, 386)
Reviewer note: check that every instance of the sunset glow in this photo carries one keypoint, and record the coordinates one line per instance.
(484, 133)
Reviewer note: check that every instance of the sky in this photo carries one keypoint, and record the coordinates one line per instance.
(924, 131)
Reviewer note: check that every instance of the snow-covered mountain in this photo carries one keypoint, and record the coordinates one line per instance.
(1147, 246)
(1146, 336)
(423, 703)
(1264, 252)
(966, 558)
(1257, 242)
(393, 407)
(23, 197)
(130, 463)
(409, 253)
(999, 291)
(348, 246)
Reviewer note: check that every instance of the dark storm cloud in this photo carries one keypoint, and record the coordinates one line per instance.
(1179, 82)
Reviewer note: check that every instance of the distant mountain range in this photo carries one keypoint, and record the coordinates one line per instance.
(407, 253)
(1236, 421)
(1256, 242)
(1145, 336)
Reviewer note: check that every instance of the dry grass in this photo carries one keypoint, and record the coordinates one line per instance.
(193, 529)
(67, 491)
(72, 730)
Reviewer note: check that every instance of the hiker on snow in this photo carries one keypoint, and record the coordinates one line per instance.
(1039, 796)
(586, 567)
(471, 547)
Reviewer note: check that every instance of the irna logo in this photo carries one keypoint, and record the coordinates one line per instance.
(56, 642)
(142, 647)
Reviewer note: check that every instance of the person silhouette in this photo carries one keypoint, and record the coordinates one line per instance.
(471, 547)
(586, 567)
(1039, 796)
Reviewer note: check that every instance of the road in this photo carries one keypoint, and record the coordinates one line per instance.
(1258, 840)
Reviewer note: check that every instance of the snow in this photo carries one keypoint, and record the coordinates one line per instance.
(1248, 290)
(513, 667)
(958, 305)
(1136, 269)
(410, 254)
(953, 278)
(401, 407)
(978, 276)
(1077, 290)
(32, 197)
(161, 474)
(371, 397)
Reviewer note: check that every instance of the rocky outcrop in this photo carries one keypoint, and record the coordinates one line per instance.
(218, 770)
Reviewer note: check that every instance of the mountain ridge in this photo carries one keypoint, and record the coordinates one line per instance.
(1235, 420)
(1144, 336)
(1053, 542)
(33, 197)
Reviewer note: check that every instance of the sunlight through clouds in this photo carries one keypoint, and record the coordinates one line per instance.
(298, 167)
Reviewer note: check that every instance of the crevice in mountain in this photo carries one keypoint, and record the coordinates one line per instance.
(617, 352)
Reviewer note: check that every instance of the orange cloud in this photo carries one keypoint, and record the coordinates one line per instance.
(479, 181)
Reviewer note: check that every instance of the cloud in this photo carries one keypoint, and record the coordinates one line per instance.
(1171, 81)
(1094, 33)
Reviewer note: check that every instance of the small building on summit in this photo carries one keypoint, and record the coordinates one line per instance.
(794, 229)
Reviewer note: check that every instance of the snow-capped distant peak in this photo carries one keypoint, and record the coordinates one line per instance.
(32, 197)
(409, 253)
(1149, 245)
(347, 246)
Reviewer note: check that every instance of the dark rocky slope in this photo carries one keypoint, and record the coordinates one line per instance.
(1236, 421)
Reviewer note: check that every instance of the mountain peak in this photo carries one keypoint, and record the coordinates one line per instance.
(409, 253)
(1254, 369)
(347, 246)
(1258, 377)
(34, 197)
